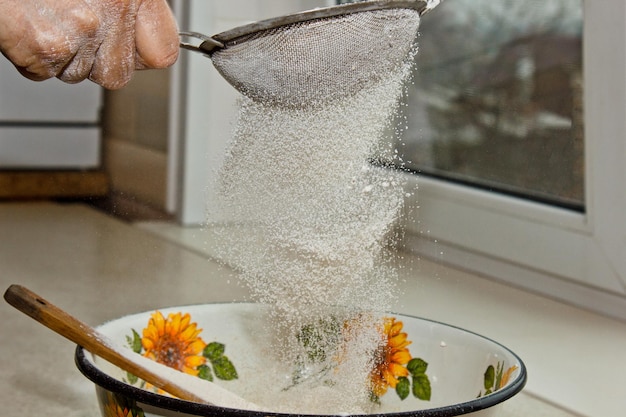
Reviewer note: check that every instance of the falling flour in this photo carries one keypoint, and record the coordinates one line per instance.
(310, 223)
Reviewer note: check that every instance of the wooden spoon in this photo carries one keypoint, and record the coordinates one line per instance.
(179, 384)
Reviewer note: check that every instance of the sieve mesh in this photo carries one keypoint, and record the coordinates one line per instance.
(317, 61)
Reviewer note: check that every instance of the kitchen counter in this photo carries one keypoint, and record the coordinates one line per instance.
(99, 268)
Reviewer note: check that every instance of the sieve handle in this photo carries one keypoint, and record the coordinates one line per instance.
(206, 47)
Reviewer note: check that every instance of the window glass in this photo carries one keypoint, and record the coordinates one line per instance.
(496, 100)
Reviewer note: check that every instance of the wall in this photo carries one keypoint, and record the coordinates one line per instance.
(135, 131)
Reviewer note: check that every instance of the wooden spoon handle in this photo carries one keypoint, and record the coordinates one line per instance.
(80, 333)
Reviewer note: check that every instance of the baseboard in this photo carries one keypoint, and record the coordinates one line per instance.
(20, 184)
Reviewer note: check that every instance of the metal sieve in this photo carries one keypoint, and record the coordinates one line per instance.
(317, 56)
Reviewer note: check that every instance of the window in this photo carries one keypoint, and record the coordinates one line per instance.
(496, 101)
(567, 245)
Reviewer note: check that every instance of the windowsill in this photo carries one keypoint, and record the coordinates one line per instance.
(573, 356)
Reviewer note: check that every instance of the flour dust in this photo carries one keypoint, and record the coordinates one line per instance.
(311, 221)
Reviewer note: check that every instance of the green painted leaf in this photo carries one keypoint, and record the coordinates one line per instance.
(224, 368)
(421, 387)
(417, 366)
(204, 372)
(320, 337)
(499, 373)
(490, 377)
(132, 379)
(134, 342)
(403, 388)
(213, 351)
(374, 398)
(126, 403)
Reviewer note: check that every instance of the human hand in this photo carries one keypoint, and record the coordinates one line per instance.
(103, 40)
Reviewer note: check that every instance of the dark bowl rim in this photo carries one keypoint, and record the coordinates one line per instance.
(101, 379)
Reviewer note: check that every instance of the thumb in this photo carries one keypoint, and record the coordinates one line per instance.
(156, 34)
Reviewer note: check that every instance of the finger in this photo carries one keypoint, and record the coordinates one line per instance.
(115, 58)
(41, 57)
(80, 67)
(34, 75)
(81, 64)
(156, 35)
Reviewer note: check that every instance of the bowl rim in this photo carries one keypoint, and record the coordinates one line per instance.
(103, 380)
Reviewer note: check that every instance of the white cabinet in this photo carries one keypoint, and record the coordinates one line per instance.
(49, 124)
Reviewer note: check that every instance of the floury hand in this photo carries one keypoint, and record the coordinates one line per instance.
(102, 40)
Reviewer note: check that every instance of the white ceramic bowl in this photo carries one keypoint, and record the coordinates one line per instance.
(465, 370)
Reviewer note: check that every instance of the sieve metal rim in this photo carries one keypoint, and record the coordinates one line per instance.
(216, 42)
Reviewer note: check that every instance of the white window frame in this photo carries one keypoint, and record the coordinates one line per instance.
(576, 257)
